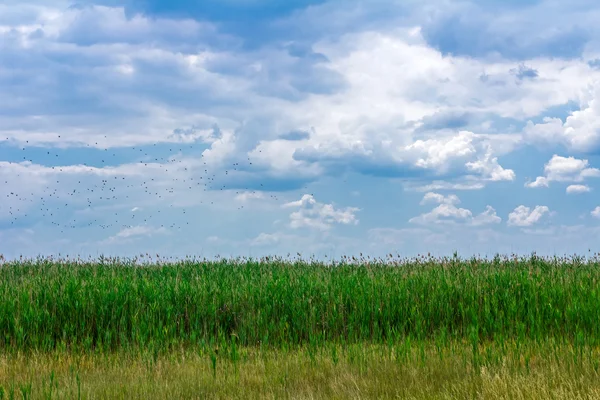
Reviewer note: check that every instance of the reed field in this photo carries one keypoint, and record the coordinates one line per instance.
(504, 327)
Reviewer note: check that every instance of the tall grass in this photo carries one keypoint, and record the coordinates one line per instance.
(111, 304)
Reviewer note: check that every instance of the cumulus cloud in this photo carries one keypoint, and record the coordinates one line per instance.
(436, 153)
(448, 212)
(487, 217)
(564, 169)
(573, 189)
(465, 153)
(488, 167)
(525, 216)
(444, 213)
(540, 181)
(440, 198)
(581, 129)
(569, 168)
(313, 214)
(596, 212)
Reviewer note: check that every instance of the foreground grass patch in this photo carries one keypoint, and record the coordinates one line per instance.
(405, 370)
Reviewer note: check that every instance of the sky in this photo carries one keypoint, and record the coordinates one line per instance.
(316, 127)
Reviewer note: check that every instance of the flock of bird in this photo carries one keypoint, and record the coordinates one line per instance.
(114, 188)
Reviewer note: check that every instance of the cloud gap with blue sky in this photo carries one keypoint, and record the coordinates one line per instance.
(325, 127)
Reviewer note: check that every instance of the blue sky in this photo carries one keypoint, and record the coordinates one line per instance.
(326, 128)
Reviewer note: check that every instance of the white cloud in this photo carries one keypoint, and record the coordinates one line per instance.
(221, 149)
(278, 156)
(487, 217)
(265, 239)
(596, 212)
(448, 212)
(564, 169)
(466, 151)
(439, 198)
(443, 213)
(580, 130)
(441, 185)
(540, 181)
(572, 189)
(317, 215)
(524, 216)
(452, 80)
(582, 127)
(306, 200)
(540, 231)
(139, 230)
(488, 167)
(128, 233)
(247, 196)
(436, 153)
(550, 131)
(272, 239)
(213, 239)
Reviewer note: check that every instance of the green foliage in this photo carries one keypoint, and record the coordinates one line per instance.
(115, 304)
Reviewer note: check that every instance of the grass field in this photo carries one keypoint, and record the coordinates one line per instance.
(417, 370)
(406, 328)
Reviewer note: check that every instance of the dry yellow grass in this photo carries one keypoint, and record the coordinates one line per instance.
(422, 371)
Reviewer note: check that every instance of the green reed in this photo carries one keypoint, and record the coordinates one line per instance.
(110, 304)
